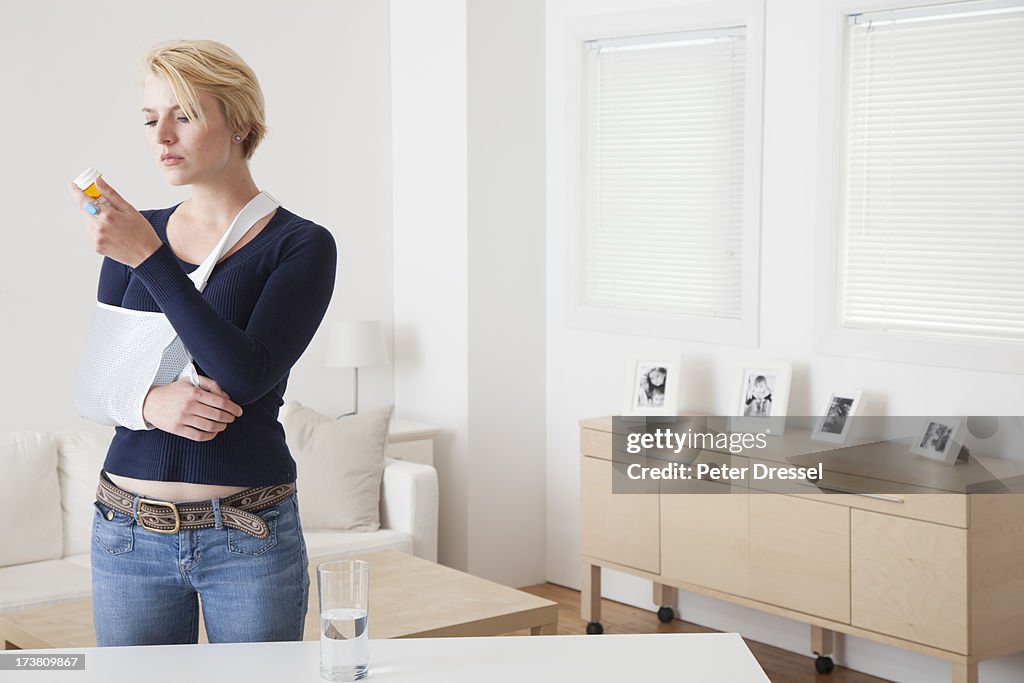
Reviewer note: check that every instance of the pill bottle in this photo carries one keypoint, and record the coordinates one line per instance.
(86, 182)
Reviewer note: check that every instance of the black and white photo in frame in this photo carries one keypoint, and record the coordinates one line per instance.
(652, 385)
(835, 422)
(940, 439)
(763, 398)
(758, 389)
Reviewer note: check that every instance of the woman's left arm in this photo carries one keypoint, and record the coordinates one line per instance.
(248, 363)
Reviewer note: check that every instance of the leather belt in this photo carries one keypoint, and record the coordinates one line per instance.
(167, 518)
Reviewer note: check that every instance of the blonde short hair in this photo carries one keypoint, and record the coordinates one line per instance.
(193, 65)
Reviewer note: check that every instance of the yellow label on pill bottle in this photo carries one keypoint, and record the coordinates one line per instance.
(86, 182)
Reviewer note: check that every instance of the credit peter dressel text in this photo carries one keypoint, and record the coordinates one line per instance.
(667, 439)
(719, 473)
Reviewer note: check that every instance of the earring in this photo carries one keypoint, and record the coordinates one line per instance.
(238, 138)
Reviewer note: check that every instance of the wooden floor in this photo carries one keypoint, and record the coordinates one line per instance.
(781, 666)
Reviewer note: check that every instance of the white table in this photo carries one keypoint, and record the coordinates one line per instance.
(698, 657)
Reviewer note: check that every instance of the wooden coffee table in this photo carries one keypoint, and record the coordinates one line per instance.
(409, 598)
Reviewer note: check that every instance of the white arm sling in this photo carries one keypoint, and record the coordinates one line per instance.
(127, 352)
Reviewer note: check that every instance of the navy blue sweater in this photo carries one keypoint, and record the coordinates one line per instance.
(258, 313)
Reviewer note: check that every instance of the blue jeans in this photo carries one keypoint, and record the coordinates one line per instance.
(146, 584)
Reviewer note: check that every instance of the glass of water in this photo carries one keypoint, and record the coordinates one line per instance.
(344, 591)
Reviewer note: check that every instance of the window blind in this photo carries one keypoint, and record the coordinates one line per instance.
(932, 237)
(663, 173)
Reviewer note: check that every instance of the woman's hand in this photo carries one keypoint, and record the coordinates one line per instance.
(196, 413)
(118, 231)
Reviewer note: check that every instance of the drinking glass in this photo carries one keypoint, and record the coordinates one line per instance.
(343, 588)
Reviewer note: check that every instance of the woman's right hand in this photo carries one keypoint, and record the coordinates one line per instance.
(196, 413)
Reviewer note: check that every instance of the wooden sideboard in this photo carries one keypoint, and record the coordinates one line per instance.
(917, 567)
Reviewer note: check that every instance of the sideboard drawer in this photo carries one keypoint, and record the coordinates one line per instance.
(949, 509)
(596, 444)
(876, 495)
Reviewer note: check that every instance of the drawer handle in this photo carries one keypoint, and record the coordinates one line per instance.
(854, 492)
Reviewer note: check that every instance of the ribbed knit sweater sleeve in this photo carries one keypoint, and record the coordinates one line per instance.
(247, 363)
(114, 278)
(113, 282)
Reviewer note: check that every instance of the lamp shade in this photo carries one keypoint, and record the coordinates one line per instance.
(356, 344)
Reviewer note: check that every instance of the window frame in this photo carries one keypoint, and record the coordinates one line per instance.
(830, 337)
(696, 17)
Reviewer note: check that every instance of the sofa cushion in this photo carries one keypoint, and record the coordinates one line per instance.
(339, 466)
(321, 544)
(40, 584)
(80, 459)
(80, 560)
(29, 498)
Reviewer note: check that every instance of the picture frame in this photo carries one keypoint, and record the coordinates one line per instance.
(763, 397)
(940, 438)
(836, 420)
(643, 395)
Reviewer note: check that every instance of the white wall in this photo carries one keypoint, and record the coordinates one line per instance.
(428, 81)
(468, 238)
(72, 99)
(505, 59)
(594, 362)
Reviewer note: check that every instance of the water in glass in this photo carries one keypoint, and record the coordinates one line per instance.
(344, 644)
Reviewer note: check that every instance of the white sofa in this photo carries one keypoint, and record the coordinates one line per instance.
(47, 489)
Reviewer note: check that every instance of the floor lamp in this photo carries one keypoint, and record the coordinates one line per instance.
(356, 344)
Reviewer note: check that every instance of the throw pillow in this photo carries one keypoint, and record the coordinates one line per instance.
(340, 462)
(81, 455)
(29, 499)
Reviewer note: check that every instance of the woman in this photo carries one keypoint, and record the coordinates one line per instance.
(239, 543)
